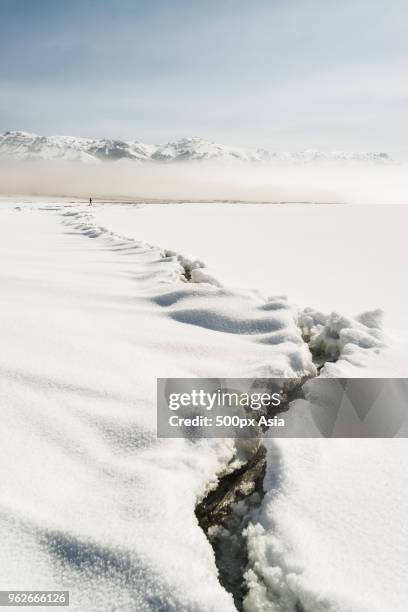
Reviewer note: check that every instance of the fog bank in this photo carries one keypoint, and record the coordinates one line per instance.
(349, 183)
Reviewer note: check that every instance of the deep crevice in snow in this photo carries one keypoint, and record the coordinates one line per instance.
(226, 511)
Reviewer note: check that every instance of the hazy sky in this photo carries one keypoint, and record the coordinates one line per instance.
(282, 74)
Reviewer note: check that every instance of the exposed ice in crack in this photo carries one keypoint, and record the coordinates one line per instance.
(224, 514)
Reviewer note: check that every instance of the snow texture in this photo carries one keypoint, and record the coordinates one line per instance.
(331, 534)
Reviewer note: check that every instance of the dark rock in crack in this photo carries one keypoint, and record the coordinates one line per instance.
(224, 514)
(215, 507)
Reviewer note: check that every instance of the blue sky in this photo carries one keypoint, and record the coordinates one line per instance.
(281, 74)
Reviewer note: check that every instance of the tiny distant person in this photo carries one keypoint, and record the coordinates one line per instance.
(90, 201)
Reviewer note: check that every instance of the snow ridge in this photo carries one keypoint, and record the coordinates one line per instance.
(191, 294)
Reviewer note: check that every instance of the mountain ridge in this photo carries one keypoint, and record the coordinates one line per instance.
(26, 146)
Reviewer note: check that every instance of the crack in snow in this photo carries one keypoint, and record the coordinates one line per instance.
(225, 511)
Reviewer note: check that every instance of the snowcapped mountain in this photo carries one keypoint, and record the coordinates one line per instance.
(197, 149)
(27, 146)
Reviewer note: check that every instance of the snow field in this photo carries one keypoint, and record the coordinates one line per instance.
(91, 501)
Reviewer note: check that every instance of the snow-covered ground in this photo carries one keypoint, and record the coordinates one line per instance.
(92, 501)
(347, 259)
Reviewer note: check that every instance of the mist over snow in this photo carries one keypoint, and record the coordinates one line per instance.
(193, 169)
(207, 181)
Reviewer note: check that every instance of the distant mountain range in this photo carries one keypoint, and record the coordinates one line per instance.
(26, 146)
